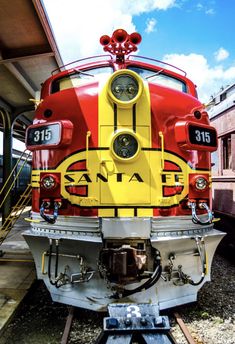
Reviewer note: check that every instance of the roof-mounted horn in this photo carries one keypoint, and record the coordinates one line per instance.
(121, 43)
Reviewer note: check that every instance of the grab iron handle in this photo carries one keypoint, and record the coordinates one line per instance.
(195, 218)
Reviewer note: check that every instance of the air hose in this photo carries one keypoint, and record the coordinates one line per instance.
(48, 218)
(200, 246)
(56, 263)
(146, 285)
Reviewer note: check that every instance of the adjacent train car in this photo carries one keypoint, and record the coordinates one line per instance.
(121, 179)
(221, 110)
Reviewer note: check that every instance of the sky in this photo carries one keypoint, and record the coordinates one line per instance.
(195, 35)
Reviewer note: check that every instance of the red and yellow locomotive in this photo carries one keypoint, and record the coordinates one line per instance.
(121, 182)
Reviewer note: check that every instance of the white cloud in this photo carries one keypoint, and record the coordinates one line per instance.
(210, 11)
(199, 6)
(150, 25)
(78, 25)
(221, 54)
(135, 7)
(208, 78)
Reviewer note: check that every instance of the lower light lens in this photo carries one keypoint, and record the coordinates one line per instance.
(125, 146)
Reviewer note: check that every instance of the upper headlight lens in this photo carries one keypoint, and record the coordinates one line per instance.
(124, 87)
(125, 146)
(201, 183)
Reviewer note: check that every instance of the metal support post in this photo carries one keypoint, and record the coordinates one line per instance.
(7, 160)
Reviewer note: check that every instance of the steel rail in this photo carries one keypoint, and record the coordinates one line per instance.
(68, 326)
(184, 329)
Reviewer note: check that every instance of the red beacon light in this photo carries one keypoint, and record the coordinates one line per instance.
(121, 43)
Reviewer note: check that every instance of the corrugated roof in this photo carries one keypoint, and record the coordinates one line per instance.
(28, 53)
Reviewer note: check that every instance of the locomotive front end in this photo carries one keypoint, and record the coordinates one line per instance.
(121, 183)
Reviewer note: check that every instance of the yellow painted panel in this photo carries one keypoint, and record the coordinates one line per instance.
(128, 181)
(145, 212)
(106, 212)
(125, 212)
(124, 117)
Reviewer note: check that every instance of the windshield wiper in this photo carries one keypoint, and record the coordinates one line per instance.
(78, 71)
(155, 74)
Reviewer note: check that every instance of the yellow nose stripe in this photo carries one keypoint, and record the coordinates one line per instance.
(134, 191)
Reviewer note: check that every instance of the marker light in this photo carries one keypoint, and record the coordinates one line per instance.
(201, 183)
(48, 182)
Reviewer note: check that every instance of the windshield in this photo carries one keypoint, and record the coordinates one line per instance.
(160, 78)
(79, 78)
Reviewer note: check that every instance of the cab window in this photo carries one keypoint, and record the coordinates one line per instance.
(79, 78)
(160, 78)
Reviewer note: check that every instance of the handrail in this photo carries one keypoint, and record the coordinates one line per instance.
(162, 149)
(17, 209)
(10, 175)
(195, 218)
(135, 57)
(88, 135)
(81, 60)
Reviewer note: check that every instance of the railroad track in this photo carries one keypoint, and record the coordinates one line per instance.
(68, 325)
(183, 327)
(185, 330)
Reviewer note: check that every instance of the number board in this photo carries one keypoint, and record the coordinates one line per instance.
(44, 135)
(202, 136)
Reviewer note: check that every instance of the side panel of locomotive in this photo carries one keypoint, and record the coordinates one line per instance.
(121, 176)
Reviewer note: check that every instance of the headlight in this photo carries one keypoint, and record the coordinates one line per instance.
(125, 146)
(125, 87)
(48, 182)
(201, 183)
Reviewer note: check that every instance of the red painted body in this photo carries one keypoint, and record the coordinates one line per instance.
(121, 176)
(171, 111)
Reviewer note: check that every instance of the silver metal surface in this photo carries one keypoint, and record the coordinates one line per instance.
(84, 237)
(124, 227)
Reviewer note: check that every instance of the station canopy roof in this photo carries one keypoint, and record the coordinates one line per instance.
(28, 54)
